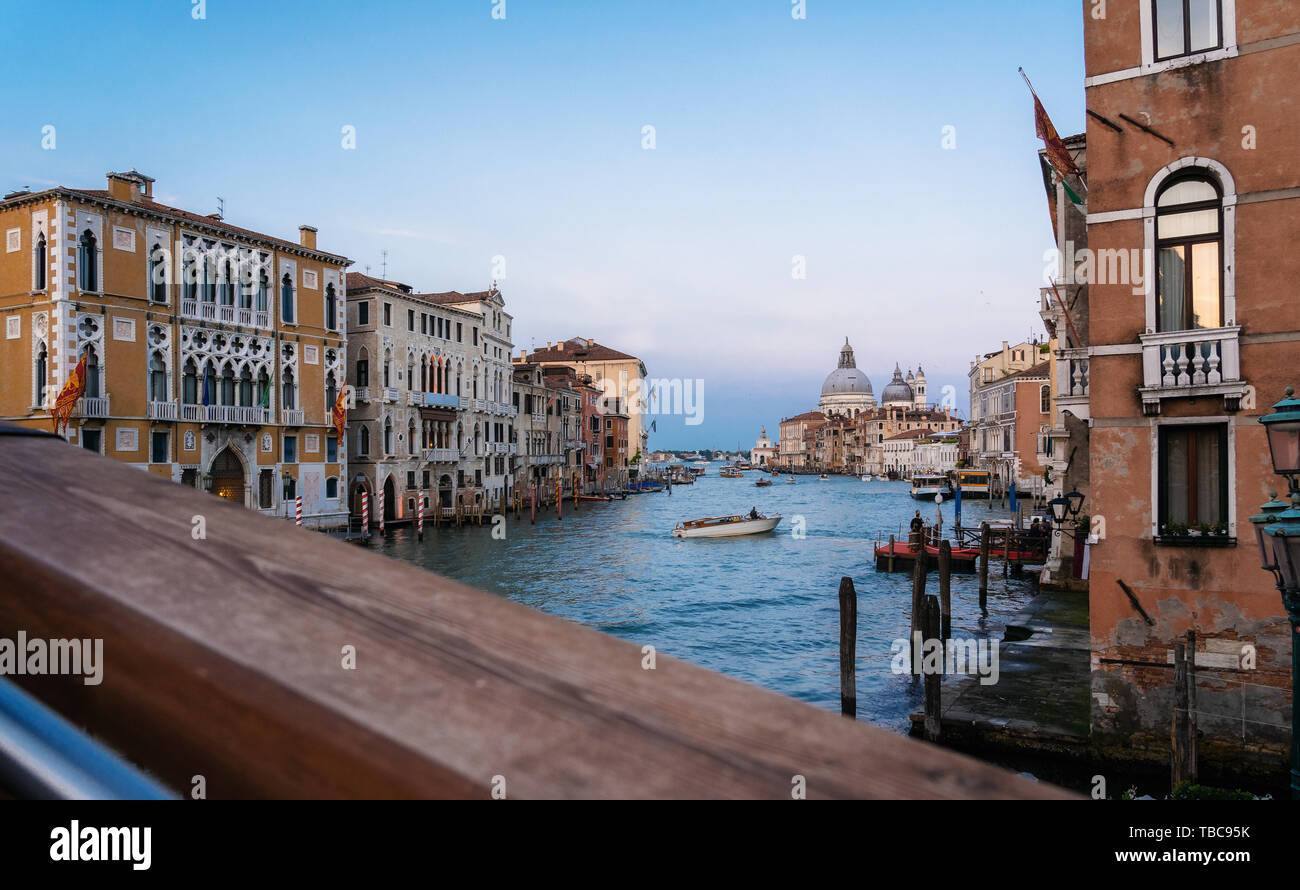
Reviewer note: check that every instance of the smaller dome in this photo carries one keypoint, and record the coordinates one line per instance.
(897, 389)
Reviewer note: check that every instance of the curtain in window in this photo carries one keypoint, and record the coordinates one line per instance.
(1176, 479)
(1171, 287)
(1208, 489)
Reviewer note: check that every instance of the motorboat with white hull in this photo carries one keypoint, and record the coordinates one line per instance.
(751, 523)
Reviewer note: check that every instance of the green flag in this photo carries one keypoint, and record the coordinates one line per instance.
(266, 395)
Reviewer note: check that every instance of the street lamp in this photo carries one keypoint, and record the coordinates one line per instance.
(1075, 499)
(1268, 512)
(1282, 558)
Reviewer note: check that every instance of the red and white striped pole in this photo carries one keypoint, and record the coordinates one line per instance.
(419, 518)
(532, 503)
(365, 514)
(381, 511)
(297, 510)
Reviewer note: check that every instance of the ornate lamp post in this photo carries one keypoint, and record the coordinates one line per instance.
(1278, 534)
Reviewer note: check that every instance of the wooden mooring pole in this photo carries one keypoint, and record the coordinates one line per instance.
(848, 648)
(984, 568)
(918, 598)
(891, 553)
(933, 679)
(1183, 727)
(945, 588)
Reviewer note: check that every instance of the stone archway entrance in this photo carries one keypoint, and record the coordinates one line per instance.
(228, 476)
(444, 491)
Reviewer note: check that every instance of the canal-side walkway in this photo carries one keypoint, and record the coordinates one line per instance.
(1040, 702)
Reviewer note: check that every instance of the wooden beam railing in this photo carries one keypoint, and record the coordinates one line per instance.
(225, 645)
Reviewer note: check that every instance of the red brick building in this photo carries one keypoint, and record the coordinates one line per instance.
(1193, 208)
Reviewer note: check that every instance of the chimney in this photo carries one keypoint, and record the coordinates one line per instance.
(128, 186)
(307, 237)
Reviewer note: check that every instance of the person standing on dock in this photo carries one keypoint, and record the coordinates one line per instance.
(914, 536)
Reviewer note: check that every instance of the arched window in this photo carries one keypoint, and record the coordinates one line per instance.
(363, 441)
(246, 388)
(1189, 250)
(209, 264)
(157, 379)
(286, 298)
(1045, 398)
(412, 441)
(41, 372)
(39, 262)
(331, 308)
(287, 396)
(388, 436)
(228, 385)
(92, 373)
(331, 393)
(190, 383)
(157, 274)
(190, 273)
(263, 389)
(263, 289)
(87, 261)
(388, 361)
(228, 280)
(209, 384)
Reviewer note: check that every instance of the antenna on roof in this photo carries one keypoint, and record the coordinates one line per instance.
(384, 274)
(221, 207)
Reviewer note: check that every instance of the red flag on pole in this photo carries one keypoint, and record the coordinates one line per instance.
(74, 389)
(1057, 153)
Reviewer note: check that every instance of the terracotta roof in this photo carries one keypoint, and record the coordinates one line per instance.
(807, 415)
(911, 434)
(209, 221)
(358, 281)
(1042, 369)
(577, 349)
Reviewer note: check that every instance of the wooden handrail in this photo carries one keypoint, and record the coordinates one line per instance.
(222, 658)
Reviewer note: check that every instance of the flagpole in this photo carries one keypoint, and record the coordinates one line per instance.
(1083, 183)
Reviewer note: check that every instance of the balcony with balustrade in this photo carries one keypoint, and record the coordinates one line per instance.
(390, 394)
(223, 313)
(162, 411)
(92, 407)
(480, 404)
(291, 416)
(244, 415)
(1191, 364)
(362, 393)
(441, 455)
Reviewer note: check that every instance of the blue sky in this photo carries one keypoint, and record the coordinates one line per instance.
(522, 138)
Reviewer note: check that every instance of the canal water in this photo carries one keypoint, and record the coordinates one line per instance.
(762, 608)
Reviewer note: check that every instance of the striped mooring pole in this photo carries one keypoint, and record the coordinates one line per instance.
(381, 511)
(365, 514)
(419, 517)
(297, 510)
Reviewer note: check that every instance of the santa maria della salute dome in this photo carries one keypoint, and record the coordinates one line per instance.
(847, 391)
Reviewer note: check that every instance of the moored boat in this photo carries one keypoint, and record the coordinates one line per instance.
(974, 483)
(823, 477)
(730, 472)
(763, 483)
(751, 523)
(925, 487)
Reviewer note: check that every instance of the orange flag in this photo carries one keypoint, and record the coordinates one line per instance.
(74, 389)
(340, 415)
